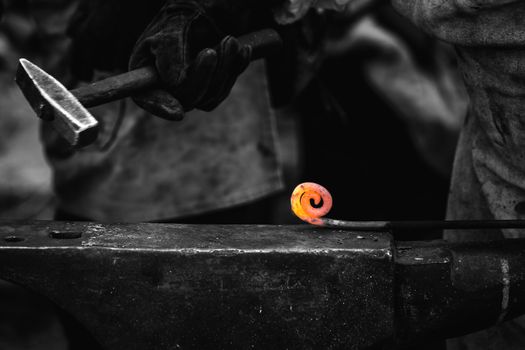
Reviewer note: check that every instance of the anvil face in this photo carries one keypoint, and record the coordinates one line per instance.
(53, 102)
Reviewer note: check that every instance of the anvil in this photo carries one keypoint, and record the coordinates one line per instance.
(168, 286)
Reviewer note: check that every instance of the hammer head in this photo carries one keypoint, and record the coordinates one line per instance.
(54, 103)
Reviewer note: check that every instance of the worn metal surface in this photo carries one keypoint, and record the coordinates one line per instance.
(153, 286)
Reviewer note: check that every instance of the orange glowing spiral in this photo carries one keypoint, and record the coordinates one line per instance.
(302, 198)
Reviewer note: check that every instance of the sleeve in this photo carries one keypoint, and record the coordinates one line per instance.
(467, 22)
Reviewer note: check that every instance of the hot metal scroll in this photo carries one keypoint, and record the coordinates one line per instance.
(311, 202)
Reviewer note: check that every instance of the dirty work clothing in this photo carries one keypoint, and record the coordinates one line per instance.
(489, 173)
(489, 36)
(144, 168)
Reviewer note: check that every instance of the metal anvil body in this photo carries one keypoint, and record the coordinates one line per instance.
(164, 286)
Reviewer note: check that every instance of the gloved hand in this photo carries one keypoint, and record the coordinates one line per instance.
(180, 34)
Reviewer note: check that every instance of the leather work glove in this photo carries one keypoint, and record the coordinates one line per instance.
(182, 33)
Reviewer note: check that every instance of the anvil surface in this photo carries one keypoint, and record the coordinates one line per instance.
(165, 286)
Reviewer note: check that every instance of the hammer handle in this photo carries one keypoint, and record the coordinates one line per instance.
(263, 43)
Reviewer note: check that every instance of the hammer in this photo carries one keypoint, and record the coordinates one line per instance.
(66, 110)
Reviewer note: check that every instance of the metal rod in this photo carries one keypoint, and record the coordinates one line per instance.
(423, 225)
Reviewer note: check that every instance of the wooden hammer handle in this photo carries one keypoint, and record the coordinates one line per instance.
(263, 43)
